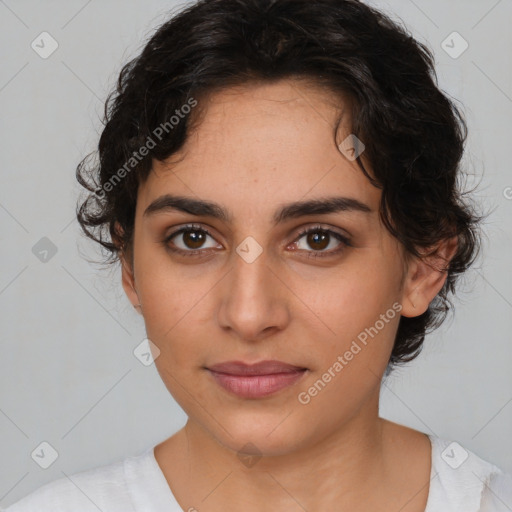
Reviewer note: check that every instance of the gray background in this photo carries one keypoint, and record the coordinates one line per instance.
(68, 373)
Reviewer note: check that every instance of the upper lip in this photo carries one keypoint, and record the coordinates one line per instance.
(261, 368)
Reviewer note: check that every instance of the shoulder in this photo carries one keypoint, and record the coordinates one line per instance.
(462, 480)
(497, 497)
(102, 488)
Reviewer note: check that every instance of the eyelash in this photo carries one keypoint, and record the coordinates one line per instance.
(345, 242)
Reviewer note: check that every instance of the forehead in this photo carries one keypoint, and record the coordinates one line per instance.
(265, 144)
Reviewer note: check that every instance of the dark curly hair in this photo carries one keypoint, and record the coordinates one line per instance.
(413, 133)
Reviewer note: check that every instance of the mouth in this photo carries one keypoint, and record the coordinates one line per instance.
(255, 380)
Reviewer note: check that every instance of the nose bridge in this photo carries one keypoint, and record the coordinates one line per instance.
(251, 273)
(253, 298)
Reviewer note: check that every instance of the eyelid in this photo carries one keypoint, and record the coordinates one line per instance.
(189, 227)
(321, 227)
(344, 239)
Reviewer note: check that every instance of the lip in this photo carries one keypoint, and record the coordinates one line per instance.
(255, 380)
(261, 368)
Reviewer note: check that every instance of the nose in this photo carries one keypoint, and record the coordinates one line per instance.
(254, 300)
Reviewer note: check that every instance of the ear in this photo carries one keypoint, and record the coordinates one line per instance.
(128, 281)
(425, 278)
(127, 274)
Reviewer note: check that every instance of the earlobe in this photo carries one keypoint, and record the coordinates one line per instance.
(426, 278)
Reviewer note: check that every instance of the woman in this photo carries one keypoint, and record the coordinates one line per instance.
(278, 181)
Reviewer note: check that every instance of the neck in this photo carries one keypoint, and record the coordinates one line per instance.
(348, 468)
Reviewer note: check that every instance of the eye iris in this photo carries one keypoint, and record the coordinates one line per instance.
(193, 239)
(317, 237)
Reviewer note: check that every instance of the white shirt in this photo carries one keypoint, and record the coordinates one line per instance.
(460, 481)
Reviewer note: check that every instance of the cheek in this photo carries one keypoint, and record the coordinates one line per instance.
(350, 298)
(162, 296)
(359, 324)
(353, 315)
(177, 311)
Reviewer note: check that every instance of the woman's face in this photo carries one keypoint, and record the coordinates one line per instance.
(256, 289)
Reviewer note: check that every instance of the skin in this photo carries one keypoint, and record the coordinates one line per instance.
(256, 148)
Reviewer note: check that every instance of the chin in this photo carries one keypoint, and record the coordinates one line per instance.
(270, 434)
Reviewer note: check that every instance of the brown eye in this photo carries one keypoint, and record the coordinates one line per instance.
(193, 239)
(189, 239)
(318, 239)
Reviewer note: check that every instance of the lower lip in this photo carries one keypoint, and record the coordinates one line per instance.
(256, 386)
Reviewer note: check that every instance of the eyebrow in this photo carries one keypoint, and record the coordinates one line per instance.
(203, 208)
